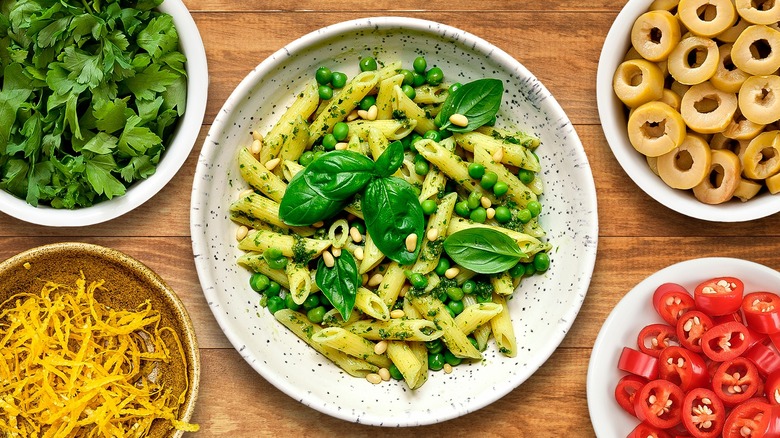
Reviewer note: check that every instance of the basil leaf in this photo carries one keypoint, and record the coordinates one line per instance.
(392, 213)
(338, 175)
(302, 206)
(339, 283)
(478, 101)
(483, 250)
(390, 160)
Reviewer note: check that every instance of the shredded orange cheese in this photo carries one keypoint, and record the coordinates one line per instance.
(71, 366)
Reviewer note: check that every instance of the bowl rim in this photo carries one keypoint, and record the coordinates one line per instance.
(633, 163)
(201, 246)
(176, 153)
(189, 340)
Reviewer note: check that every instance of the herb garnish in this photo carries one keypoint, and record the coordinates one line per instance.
(478, 101)
(339, 283)
(483, 250)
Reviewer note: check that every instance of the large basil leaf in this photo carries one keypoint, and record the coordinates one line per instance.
(478, 101)
(339, 283)
(392, 212)
(390, 160)
(338, 175)
(483, 250)
(302, 206)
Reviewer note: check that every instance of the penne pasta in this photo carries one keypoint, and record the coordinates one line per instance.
(371, 304)
(407, 362)
(434, 310)
(351, 344)
(501, 325)
(302, 108)
(411, 112)
(396, 329)
(259, 177)
(512, 154)
(438, 224)
(474, 316)
(291, 246)
(338, 107)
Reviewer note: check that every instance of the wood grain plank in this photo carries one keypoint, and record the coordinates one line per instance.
(315, 6)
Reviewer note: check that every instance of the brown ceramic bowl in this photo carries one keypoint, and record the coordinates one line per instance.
(64, 262)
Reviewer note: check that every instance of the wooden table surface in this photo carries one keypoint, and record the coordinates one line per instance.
(559, 41)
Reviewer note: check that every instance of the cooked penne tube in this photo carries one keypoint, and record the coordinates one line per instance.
(249, 222)
(293, 142)
(503, 332)
(333, 318)
(339, 107)
(403, 105)
(452, 165)
(291, 246)
(407, 362)
(525, 140)
(385, 95)
(266, 210)
(434, 310)
(392, 129)
(290, 169)
(370, 304)
(299, 281)
(392, 282)
(257, 263)
(512, 154)
(438, 223)
(433, 184)
(396, 329)
(372, 256)
(502, 283)
(388, 70)
(482, 333)
(518, 191)
(430, 94)
(259, 177)
(474, 316)
(303, 107)
(351, 344)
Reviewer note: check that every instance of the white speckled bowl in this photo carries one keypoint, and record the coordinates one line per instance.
(542, 310)
(613, 121)
(178, 149)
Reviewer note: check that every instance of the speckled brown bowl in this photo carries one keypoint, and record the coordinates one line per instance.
(128, 283)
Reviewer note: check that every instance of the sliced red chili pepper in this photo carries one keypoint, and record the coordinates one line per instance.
(625, 391)
(644, 430)
(765, 357)
(762, 312)
(736, 316)
(719, 296)
(659, 403)
(736, 380)
(638, 363)
(725, 341)
(703, 413)
(671, 301)
(655, 337)
(772, 387)
(754, 418)
(690, 328)
(684, 368)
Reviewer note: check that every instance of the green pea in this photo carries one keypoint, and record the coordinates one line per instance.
(530, 270)
(450, 311)
(408, 76)
(311, 302)
(434, 346)
(306, 158)
(289, 303)
(340, 131)
(456, 306)
(409, 91)
(368, 64)
(478, 215)
(418, 280)
(451, 358)
(395, 372)
(437, 120)
(429, 205)
(503, 214)
(275, 304)
(415, 138)
(418, 80)
(484, 299)
(407, 142)
(316, 314)
(432, 135)
(454, 87)
(462, 209)
(339, 79)
(489, 179)
(361, 227)
(272, 254)
(323, 75)
(434, 76)
(317, 154)
(442, 296)
(421, 168)
(442, 266)
(259, 282)
(455, 293)
(526, 176)
(534, 207)
(329, 141)
(279, 263)
(524, 215)
(500, 188)
(517, 270)
(274, 288)
(541, 261)
(419, 64)
(474, 200)
(474, 342)
(325, 92)
(476, 170)
(367, 102)
(469, 286)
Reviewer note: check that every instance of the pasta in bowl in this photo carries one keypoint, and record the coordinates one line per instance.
(381, 218)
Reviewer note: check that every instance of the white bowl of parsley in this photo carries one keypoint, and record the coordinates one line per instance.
(100, 105)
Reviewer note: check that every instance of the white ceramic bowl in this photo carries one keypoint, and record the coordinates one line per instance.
(179, 147)
(635, 311)
(542, 310)
(613, 121)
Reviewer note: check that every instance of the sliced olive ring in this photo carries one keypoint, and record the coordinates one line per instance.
(747, 189)
(759, 99)
(663, 5)
(759, 11)
(655, 34)
(773, 183)
(707, 17)
(762, 156)
(732, 33)
(720, 141)
(671, 98)
(638, 81)
(686, 165)
(679, 88)
(655, 128)
(694, 60)
(653, 163)
(706, 109)
(757, 50)
(728, 77)
(722, 179)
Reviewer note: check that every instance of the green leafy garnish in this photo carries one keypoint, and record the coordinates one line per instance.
(303, 206)
(340, 283)
(483, 250)
(90, 95)
(390, 160)
(478, 101)
(338, 175)
(393, 212)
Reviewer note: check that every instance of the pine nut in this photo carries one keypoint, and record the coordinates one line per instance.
(384, 373)
(271, 164)
(363, 279)
(373, 112)
(447, 368)
(432, 234)
(404, 291)
(374, 378)
(336, 252)
(327, 258)
(459, 120)
(452, 272)
(498, 155)
(380, 347)
(241, 232)
(318, 224)
(341, 146)
(256, 135)
(363, 114)
(397, 313)
(485, 202)
(257, 145)
(376, 280)
(490, 212)
(355, 235)
(352, 116)
(411, 242)
(358, 253)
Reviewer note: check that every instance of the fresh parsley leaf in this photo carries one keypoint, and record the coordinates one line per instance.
(99, 176)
